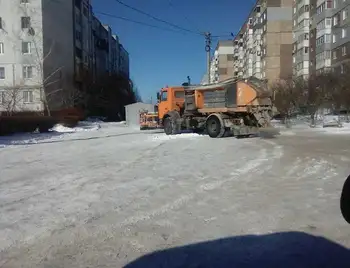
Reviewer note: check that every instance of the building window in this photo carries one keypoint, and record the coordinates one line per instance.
(334, 55)
(327, 38)
(306, 50)
(2, 48)
(2, 72)
(78, 35)
(335, 20)
(25, 22)
(329, 4)
(85, 11)
(334, 38)
(27, 96)
(343, 33)
(26, 48)
(328, 22)
(27, 72)
(345, 14)
(343, 50)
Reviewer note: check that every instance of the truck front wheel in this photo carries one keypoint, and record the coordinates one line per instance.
(171, 127)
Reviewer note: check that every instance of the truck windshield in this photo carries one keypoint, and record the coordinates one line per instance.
(164, 96)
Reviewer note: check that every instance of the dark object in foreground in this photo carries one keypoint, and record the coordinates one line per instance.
(345, 200)
(287, 250)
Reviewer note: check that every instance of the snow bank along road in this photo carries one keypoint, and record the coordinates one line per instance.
(104, 202)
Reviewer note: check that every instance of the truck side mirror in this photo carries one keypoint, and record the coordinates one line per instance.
(158, 96)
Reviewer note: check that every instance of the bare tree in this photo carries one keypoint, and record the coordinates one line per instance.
(11, 100)
(287, 97)
(319, 93)
(71, 97)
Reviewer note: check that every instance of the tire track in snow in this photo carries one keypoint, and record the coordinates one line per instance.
(306, 168)
(249, 166)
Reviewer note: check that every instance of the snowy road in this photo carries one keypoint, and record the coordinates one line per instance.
(102, 200)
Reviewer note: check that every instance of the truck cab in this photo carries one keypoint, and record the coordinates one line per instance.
(170, 99)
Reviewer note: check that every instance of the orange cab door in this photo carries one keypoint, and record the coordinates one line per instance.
(163, 106)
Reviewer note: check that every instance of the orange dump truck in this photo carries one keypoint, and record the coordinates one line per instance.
(238, 107)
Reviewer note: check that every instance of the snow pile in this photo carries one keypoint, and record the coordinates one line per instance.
(82, 126)
(164, 137)
(29, 138)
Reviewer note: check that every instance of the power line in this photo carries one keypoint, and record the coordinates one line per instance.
(140, 22)
(186, 18)
(158, 19)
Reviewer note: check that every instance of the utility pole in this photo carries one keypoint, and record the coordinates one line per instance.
(207, 49)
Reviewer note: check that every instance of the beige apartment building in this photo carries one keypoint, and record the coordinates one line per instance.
(329, 35)
(221, 65)
(261, 48)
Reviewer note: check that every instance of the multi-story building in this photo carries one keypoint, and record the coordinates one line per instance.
(263, 45)
(221, 65)
(301, 37)
(329, 35)
(41, 52)
(123, 61)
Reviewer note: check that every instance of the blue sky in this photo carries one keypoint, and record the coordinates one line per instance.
(159, 58)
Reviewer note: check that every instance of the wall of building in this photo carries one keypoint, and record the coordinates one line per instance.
(329, 35)
(124, 65)
(263, 45)
(221, 66)
(57, 51)
(23, 91)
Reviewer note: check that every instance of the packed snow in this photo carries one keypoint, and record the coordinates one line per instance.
(105, 194)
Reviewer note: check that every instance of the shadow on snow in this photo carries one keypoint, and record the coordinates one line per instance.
(287, 250)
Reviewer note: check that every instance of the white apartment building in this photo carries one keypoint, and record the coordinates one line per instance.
(301, 38)
(248, 56)
(248, 43)
(32, 56)
(45, 46)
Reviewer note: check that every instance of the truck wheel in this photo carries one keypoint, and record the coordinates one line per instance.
(168, 129)
(214, 127)
(170, 126)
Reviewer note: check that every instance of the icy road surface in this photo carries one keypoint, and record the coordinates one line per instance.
(107, 197)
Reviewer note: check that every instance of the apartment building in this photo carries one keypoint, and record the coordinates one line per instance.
(263, 46)
(301, 37)
(221, 65)
(329, 35)
(45, 45)
(124, 61)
